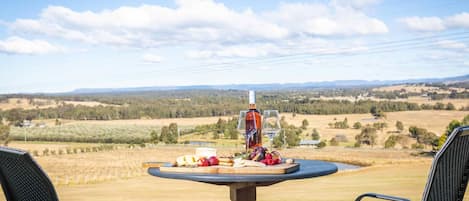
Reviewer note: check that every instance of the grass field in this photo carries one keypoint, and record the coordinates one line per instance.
(116, 174)
(433, 120)
(418, 89)
(394, 172)
(38, 103)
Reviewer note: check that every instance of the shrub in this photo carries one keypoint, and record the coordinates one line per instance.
(357, 125)
(322, 144)
(391, 141)
(45, 152)
(417, 146)
(333, 142)
(315, 135)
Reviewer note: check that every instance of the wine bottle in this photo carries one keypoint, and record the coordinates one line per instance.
(253, 124)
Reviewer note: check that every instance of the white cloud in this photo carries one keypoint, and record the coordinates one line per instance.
(466, 63)
(358, 4)
(460, 20)
(451, 44)
(150, 25)
(151, 58)
(200, 22)
(424, 23)
(245, 50)
(325, 20)
(17, 45)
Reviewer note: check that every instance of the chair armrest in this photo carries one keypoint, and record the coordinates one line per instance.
(380, 196)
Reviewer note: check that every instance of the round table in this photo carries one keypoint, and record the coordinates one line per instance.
(243, 187)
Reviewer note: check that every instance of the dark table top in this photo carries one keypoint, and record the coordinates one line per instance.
(308, 169)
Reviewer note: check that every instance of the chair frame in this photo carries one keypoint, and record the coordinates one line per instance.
(38, 172)
(464, 131)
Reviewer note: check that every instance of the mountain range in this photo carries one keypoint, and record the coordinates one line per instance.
(276, 86)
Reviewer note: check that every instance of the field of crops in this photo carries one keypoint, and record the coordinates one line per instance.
(86, 133)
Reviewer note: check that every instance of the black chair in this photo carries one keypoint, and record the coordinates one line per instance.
(449, 172)
(22, 179)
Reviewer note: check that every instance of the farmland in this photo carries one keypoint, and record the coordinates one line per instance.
(138, 131)
(117, 175)
(107, 169)
(38, 103)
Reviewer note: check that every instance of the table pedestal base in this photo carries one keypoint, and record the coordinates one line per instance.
(243, 191)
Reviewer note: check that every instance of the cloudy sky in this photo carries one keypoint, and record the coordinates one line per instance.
(55, 46)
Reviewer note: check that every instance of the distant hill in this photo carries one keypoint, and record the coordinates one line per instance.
(277, 86)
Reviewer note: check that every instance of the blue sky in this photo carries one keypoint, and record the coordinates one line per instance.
(56, 46)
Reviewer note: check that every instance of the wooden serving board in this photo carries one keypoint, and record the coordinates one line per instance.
(204, 170)
(274, 169)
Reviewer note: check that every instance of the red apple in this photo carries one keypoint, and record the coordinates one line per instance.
(213, 160)
(203, 162)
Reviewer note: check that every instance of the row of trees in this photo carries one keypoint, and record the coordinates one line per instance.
(133, 108)
(340, 124)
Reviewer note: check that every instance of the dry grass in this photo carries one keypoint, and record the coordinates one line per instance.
(434, 121)
(458, 103)
(393, 172)
(156, 122)
(418, 89)
(39, 146)
(42, 103)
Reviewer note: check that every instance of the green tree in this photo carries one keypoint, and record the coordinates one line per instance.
(215, 135)
(164, 136)
(322, 144)
(367, 136)
(423, 136)
(449, 129)
(399, 126)
(465, 120)
(58, 122)
(292, 137)
(450, 106)
(441, 141)
(376, 112)
(4, 134)
(391, 141)
(234, 134)
(304, 124)
(315, 135)
(154, 138)
(15, 116)
(173, 133)
(439, 106)
(226, 133)
(380, 125)
(357, 125)
(278, 140)
(333, 142)
(220, 125)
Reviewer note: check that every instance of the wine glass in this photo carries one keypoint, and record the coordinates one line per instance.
(271, 124)
(242, 123)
